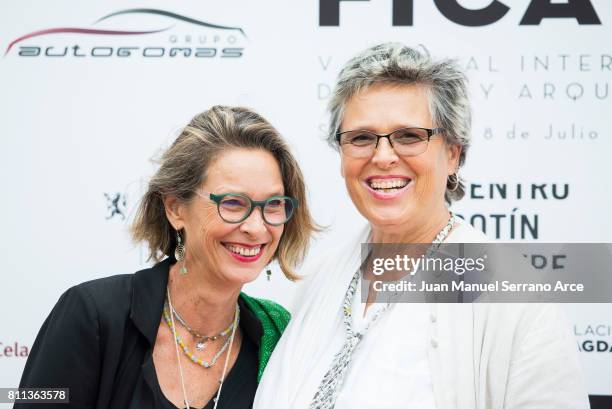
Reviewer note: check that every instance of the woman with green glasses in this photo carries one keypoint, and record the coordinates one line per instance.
(227, 200)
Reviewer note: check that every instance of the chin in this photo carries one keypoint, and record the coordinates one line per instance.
(386, 220)
(387, 215)
(242, 275)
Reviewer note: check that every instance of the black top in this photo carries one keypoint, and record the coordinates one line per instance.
(240, 384)
(98, 342)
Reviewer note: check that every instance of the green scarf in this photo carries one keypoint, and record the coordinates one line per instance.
(274, 319)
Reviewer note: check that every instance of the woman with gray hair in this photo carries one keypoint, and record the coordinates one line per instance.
(401, 122)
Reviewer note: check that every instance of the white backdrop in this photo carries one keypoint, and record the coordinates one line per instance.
(75, 127)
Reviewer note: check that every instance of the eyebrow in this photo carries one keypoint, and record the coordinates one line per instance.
(371, 129)
(242, 192)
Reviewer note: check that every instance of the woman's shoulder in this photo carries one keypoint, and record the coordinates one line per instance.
(114, 295)
(463, 232)
(106, 287)
(102, 299)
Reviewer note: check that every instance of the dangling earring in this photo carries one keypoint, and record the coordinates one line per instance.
(268, 274)
(453, 180)
(179, 253)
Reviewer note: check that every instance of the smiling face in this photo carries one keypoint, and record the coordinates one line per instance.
(389, 190)
(233, 253)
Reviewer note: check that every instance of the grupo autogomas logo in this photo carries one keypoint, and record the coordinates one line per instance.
(135, 33)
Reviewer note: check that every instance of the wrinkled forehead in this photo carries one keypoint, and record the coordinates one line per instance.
(251, 171)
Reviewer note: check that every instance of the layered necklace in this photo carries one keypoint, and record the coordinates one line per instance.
(169, 314)
(329, 388)
(200, 340)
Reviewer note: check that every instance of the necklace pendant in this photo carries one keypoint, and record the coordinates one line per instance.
(200, 345)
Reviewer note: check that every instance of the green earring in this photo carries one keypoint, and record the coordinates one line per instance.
(269, 274)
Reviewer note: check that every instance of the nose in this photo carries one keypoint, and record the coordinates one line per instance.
(254, 225)
(384, 155)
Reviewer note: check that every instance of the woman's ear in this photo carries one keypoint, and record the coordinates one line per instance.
(454, 153)
(174, 211)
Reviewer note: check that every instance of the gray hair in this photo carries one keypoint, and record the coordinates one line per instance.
(395, 63)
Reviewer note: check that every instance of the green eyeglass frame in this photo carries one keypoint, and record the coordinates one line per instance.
(241, 215)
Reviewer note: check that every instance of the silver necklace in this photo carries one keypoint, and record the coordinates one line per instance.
(327, 392)
(178, 356)
(201, 340)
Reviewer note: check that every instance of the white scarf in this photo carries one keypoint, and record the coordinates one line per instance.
(302, 356)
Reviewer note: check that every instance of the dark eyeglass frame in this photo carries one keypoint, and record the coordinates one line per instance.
(252, 205)
(430, 133)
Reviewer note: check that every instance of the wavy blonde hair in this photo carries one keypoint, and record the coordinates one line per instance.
(183, 169)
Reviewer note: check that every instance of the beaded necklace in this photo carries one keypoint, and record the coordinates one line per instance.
(200, 339)
(186, 351)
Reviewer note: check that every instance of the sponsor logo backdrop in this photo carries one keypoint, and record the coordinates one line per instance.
(91, 91)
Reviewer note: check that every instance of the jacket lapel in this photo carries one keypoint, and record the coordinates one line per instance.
(148, 295)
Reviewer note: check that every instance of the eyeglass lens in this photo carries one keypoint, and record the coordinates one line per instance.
(406, 142)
